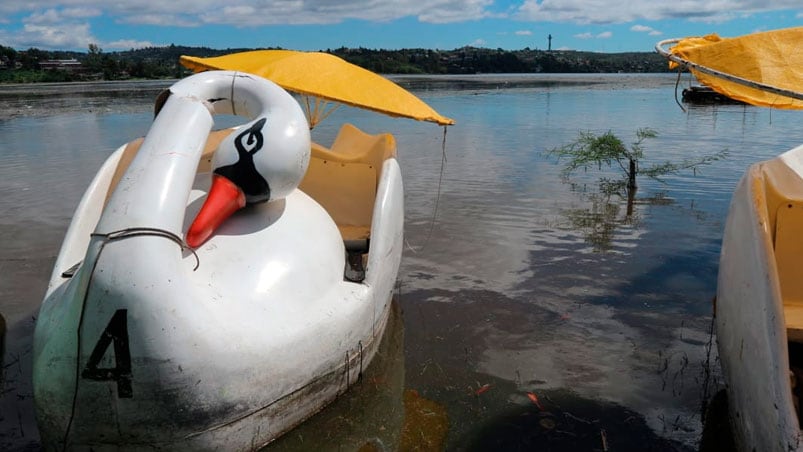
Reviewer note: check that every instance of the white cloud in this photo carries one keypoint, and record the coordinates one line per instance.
(608, 12)
(645, 29)
(56, 18)
(65, 36)
(524, 33)
(167, 20)
(50, 16)
(260, 12)
(126, 44)
(588, 35)
(256, 13)
(449, 11)
(478, 43)
(66, 28)
(81, 13)
(53, 28)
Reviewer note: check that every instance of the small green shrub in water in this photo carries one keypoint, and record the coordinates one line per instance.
(599, 221)
(607, 150)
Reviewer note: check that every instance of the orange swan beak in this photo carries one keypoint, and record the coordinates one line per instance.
(224, 199)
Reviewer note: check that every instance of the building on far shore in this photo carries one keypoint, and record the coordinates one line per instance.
(71, 65)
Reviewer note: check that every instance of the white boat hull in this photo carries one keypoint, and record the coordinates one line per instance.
(756, 314)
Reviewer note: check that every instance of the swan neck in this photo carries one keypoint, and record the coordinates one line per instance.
(156, 186)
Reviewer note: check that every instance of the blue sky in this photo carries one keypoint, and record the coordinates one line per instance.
(593, 25)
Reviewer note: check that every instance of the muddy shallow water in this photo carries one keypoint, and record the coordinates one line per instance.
(531, 314)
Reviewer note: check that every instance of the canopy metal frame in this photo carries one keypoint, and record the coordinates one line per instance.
(724, 75)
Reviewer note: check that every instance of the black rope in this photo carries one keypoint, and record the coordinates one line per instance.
(153, 232)
(108, 238)
(440, 183)
(359, 375)
(677, 82)
(233, 105)
(348, 371)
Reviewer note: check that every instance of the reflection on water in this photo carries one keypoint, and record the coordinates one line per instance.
(601, 221)
(92, 97)
(513, 290)
(370, 414)
(565, 421)
(376, 414)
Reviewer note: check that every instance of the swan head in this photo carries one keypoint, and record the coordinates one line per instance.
(259, 162)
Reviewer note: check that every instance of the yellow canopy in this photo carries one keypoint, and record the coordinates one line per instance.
(324, 76)
(764, 69)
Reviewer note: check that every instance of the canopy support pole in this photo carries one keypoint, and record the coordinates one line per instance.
(317, 110)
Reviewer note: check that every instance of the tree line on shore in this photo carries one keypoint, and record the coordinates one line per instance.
(36, 65)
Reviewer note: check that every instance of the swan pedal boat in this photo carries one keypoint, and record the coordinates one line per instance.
(145, 344)
(759, 305)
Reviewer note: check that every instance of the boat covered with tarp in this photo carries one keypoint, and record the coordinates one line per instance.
(764, 69)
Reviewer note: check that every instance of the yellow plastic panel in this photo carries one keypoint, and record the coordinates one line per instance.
(345, 190)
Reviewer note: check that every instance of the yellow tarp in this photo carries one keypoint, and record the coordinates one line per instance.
(325, 76)
(772, 58)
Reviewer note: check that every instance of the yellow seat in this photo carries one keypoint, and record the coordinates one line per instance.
(789, 259)
(344, 180)
(784, 221)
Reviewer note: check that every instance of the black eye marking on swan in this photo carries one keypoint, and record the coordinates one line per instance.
(243, 173)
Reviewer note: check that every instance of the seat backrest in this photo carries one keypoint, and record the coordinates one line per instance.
(789, 251)
(344, 179)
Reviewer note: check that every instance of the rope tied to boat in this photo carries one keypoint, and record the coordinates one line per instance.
(86, 280)
(677, 83)
(151, 232)
(438, 192)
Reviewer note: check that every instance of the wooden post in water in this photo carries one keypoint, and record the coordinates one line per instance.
(631, 176)
(631, 187)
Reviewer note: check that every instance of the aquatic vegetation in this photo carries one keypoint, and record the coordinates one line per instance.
(620, 166)
(590, 150)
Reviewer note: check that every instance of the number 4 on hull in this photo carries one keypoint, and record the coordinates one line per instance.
(116, 332)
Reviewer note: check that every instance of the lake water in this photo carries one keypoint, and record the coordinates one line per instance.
(518, 282)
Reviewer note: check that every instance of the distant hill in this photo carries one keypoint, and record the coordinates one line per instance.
(162, 62)
(472, 60)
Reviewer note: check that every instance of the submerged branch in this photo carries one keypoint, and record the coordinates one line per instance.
(661, 169)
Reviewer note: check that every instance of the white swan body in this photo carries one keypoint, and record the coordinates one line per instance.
(139, 349)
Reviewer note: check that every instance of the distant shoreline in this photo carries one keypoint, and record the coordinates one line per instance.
(27, 99)
(410, 81)
(163, 62)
